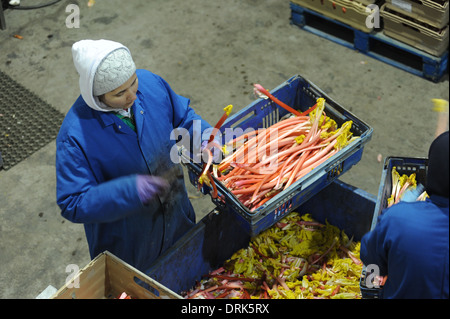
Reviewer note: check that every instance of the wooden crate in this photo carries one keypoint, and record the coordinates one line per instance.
(107, 277)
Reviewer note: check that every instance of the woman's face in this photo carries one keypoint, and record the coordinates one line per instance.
(124, 96)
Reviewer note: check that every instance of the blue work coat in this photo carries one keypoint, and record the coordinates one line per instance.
(410, 245)
(97, 159)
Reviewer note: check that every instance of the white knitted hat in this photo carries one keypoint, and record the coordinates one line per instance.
(115, 69)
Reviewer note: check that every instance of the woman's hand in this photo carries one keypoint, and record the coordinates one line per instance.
(150, 186)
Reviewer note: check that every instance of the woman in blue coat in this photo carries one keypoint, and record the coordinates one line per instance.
(116, 172)
(410, 243)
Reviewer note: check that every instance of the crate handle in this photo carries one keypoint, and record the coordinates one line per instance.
(153, 290)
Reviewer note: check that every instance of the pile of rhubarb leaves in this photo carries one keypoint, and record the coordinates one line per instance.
(294, 259)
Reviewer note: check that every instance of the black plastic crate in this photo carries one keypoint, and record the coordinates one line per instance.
(403, 165)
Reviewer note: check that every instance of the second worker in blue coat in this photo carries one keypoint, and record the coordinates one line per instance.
(410, 242)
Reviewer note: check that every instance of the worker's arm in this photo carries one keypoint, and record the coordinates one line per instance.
(440, 106)
(82, 199)
(373, 247)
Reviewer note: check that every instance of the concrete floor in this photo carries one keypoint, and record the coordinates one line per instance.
(210, 51)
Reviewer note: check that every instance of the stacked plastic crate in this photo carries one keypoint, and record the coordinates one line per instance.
(422, 24)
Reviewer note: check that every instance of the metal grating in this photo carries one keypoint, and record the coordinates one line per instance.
(27, 123)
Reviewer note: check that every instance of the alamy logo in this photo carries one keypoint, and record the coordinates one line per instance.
(73, 19)
(73, 281)
(373, 19)
(372, 276)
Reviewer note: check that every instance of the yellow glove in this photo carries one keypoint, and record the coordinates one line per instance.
(440, 105)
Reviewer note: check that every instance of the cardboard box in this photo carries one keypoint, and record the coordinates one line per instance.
(352, 13)
(416, 33)
(107, 277)
(433, 12)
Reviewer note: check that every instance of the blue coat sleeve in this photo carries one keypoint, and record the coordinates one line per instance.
(82, 199)
(374, 248)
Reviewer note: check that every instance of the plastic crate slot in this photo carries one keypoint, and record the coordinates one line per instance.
(283, 209)
(276, 116)
(357, 129)
(335, 171)
(406, 169)
(271, 118)
(220, 200)
(244, 118)
(312, 92)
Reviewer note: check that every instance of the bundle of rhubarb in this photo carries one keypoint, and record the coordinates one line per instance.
(124, 295)
(294, 259)
(267, 161)
(404, 184)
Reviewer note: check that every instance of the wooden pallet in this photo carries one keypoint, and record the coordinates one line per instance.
(375, 45)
